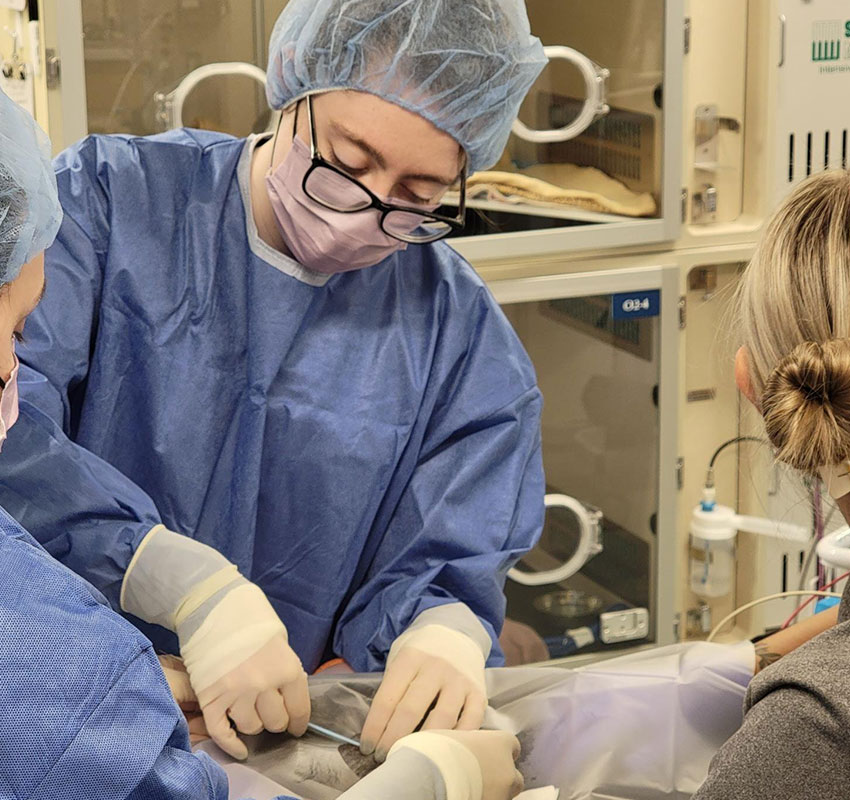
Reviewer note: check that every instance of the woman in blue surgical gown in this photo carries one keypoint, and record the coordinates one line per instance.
(289, 422)
(85, 709)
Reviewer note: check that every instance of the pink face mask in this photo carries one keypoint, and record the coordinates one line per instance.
(9, 401)
(321, 239)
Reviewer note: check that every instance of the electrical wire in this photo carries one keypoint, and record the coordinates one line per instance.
(814, 545)
(807, 563)
(819, 527)
(803, 605)
(736, 440)
(829, 517)
(779, 596)
(810, 553)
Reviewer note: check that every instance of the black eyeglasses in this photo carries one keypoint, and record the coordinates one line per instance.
(338, 191)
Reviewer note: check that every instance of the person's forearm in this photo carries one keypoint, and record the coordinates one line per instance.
(778, 644)
(88, 515)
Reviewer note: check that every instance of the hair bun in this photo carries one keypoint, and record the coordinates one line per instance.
(806, 405)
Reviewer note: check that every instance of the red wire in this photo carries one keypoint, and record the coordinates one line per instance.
(813, 597)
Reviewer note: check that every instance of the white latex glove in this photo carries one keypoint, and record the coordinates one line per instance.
(475, 765)
(427, 666)
(267, 690)
(234, 645)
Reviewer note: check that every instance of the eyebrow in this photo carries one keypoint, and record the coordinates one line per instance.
(339, 128)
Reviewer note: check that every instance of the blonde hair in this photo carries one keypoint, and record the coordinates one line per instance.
(794, 308)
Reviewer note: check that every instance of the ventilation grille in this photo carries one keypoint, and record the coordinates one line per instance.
(810, 152)
(619, 164)
(621, 144)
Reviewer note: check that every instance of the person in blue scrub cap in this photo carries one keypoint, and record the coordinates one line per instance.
(86, 710)
(325, 435)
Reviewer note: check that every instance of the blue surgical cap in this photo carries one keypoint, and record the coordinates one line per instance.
(464, 65)
(29, 204)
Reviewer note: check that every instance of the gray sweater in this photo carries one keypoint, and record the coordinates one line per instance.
(794, 743)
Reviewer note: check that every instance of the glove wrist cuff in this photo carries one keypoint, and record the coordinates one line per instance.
(443, 642)
(166, 570)
(460, 618)
(197, 605)
(459, 768)
(241, 624)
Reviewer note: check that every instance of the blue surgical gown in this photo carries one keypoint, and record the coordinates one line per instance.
(363, 448)
(85, 711)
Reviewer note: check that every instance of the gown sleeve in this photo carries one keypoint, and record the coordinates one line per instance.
(134, 745)
(179, 774)
(473, 503)
(85, 710)
(83, 511)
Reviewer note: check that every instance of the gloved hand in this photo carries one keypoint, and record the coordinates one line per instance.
(427, 666)
(266, 691)
(475, 765)
(234, 645)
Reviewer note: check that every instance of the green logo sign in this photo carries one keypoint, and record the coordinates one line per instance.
(826, 39)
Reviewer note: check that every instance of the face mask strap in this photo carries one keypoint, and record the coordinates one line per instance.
(295, 120)
(277, 132)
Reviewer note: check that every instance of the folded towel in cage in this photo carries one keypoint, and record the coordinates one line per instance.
(559, 185)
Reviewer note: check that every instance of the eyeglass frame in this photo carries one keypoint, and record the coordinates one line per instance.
(454, 223)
